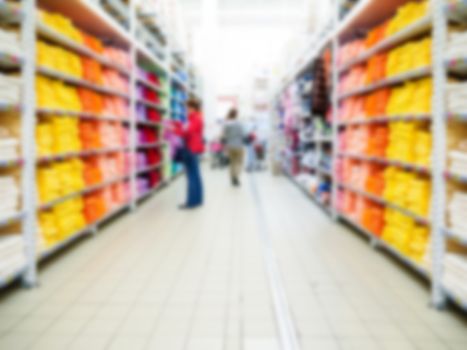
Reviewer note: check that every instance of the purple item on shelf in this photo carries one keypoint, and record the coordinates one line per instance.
(140, 91)
(141, 160)
(142, 185)
(141, 138)
(141, 112)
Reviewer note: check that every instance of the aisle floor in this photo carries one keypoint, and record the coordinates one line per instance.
(170, 280)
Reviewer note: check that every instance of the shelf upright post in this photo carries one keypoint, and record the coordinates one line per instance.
(438, 205)
(28, 126)
(133, 105)
(335, 111)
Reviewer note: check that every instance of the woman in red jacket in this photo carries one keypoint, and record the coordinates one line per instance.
(192, 135)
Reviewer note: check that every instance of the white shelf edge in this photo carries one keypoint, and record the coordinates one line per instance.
(88, 153)
(385, 119)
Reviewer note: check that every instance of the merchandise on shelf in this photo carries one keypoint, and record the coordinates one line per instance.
(406, 15)
(409, 56)
(456, 94)
(457, 220)
(61, 24)
(57, 135)
(408, 190)
(8, 145)
(59, 179)
(9, 42)
(59, 59)
(117, 56)
(54, 94)
(10, 89)
(455, 274)
(403, 233)
(61, 222)
(10, 195)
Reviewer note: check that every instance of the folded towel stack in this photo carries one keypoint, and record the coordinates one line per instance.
(59, 59)
(456, 213)
(61, 24)
(12, 254)
(55, 94)
(10, 43)
(118, 56)
(9, 193)
(455, 274)
(8, 145)
(403, 233)
(457, 44)
(458, 162)
(456, 97)
(10, 89)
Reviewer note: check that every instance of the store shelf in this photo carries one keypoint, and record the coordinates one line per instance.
(456, 299)
(412, 31)
(395, 80)
(406, 166)
(151, 85)
(10, 11)
(179, 82)
(151, 145)
(11, 219)
(455, 177)
(148, 123)
(151, 104)
(461, 117)
(9, 163)
(419, 219)
(88, 153)
(84, 191)
(144, 52)
(151, 191)
(461, 239)
(9, 61)
(60, 39)
(51, 73)
(386, 119)
(83, 115)
(324, 171)
(9, 107)
(49, 251)
(310, 195)
(13, 276)
(149, 168)
(387, 247)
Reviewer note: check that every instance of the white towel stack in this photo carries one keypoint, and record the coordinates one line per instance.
(12, 255)
(8, 145)
(9, 193)
(456, 97)
(456, 213)
(455, 274)
(458, 162)
(10, 89)
(10, 43)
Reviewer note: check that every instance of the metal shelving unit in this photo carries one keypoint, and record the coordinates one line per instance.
(89, 16)
(436, 22)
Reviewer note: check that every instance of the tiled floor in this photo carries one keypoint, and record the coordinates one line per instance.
(170, 280)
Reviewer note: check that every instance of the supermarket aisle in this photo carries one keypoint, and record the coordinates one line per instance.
(165, 279)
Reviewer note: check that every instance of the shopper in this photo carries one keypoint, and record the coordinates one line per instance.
(193, 146)
(233, 137)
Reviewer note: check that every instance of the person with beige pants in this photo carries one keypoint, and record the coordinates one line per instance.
(233, 138)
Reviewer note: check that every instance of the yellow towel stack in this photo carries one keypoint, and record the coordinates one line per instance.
(406, 15)
(401, 141)
(48, 229)
(61, 24)
(59, 59)
(59, 179)
(66, 135)
(44, 138)
(69, 217)
(403, 233)
(411, 98)
(410, 56)
(56, 95)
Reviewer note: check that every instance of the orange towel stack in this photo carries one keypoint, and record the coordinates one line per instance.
(89, 134)
(376, 102)
(94, 206)
(91, 101)
(376, 69)
(92, 70)
(378, 141)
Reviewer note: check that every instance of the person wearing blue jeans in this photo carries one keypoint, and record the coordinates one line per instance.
(195, 184)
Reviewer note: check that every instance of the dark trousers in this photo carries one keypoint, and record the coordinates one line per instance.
(195, 183)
